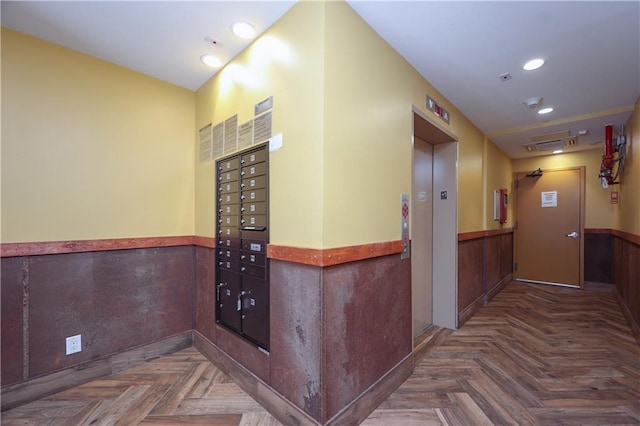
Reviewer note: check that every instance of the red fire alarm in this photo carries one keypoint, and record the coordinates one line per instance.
(614, 197)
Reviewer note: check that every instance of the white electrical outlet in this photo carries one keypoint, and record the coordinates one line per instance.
(74, 344)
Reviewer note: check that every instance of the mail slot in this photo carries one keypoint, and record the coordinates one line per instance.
(253, 221)
(229, 259)
(253, 195)
(226, 165)
(225, 188)
(252, 258)
(254, 208)
(229, 210)
(230, 198)
(257, 182)
(228, 221)
(254, 157)
(228, 176)
(254, 170)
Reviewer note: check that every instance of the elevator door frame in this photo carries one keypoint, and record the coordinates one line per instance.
(444, 228)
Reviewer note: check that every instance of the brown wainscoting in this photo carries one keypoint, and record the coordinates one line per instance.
(204, 297)
(626, 276)
(115, 300)
(485, 260)
(333, 256)
(36, 388)
(81, 246)
(598, 256)
(367, 327)
(278, 406)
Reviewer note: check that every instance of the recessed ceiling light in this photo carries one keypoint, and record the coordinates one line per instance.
(545, 110)
(557, 151)
(243, 30)
(533, 64)
(211, 61)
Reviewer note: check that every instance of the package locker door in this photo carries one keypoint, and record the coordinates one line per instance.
(255, 313)
(229, 310)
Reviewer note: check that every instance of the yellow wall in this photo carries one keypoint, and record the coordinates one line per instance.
(628, 214)
(91, 150)
(369, 93)
(286, 63)
(343, 100)
(497, 175)
(599, 212)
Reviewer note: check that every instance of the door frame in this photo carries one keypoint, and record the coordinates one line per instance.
(521, 174)
(445, 216)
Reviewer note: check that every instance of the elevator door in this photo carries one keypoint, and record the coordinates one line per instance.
(421, 238)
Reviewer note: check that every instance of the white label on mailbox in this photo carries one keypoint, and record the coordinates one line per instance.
(228, 187)
(252, 157)
(228, 209)
(252, 170)
(253, 302)
(228, 176)
(252, 208)
(229, 220)
(228, 253)
(252, 183)
(229, 265)
(228, 242)
(252, 258)
(228, 197)
(256, 247)
(252, 195)
(253, 220)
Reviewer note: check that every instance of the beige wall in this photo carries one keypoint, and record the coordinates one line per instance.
(286, 63)
(627, 216)
(497, 175)
(343, 101)
(91, 150)
(599, 212)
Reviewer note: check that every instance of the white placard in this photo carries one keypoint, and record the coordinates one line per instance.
(549, 198)
(275, 142)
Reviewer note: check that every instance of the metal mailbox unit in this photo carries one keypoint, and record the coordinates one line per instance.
(242, 288)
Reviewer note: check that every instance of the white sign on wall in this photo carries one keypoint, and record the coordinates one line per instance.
(549, 199)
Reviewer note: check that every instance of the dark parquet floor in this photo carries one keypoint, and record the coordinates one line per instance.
(535, 355)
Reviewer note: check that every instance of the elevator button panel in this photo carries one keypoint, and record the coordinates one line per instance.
(242, 227)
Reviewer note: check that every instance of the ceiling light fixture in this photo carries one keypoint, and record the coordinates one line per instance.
(557, 151)
(533, 64)
(211, 61)
(545, 110)
(243, 30)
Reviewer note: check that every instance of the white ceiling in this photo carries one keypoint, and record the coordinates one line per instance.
(592, 48)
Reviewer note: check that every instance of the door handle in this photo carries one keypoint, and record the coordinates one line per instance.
(573, 234)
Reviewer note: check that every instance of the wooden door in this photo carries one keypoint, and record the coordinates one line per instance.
(549, 225)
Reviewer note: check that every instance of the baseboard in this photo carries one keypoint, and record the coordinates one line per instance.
(498, 287)
(277, 405)
(635, 327)
(473, 308)
(361, 407)
(40, 387)
(427, 341)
